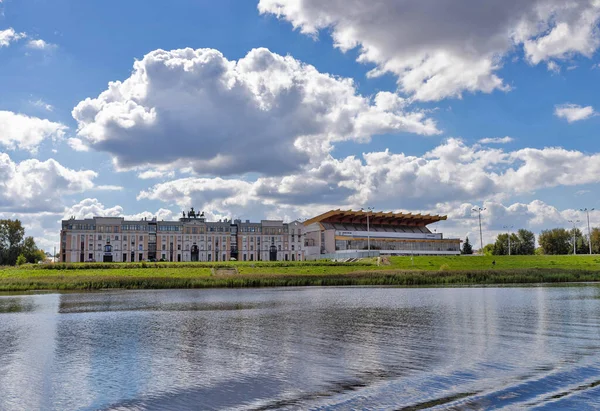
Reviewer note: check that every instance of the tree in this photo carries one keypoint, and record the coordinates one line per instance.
(596, 240)
(488, 249)
(11, 237)
(21, 259)
(521, 243)
(31, 252)
(556, 241)
(526, 243)
(467, 247)
(581, 243)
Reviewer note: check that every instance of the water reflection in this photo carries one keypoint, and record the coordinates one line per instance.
(321, 348)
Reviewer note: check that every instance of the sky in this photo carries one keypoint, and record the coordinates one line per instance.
(283, 109)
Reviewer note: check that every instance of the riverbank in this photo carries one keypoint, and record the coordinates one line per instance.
(398, 271)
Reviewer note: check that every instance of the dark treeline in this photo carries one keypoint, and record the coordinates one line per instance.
(15, 248)
(562, 241)
(521, 243)
(557, 241)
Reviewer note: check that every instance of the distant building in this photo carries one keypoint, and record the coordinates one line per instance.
(334, 234)
(338, 233)
(191, 238)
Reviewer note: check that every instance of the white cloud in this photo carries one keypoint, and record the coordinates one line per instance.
(109, 188)
(553, 67)
(34, 185)
(496, 140)
(26, 133)
(39, 44)
(42, 104)
(77, 144)
(9, 35)
(534, 216)
(155, 174)
(573, 112)
(452, 172)
(263, 113)
(442, 50)
(91, 207)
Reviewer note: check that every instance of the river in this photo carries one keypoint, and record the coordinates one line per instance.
(302, 348)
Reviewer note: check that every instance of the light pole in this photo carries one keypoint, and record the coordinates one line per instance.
(588, 223)
(509, 228)
(368, 210)
(479, 210)
(574, 239)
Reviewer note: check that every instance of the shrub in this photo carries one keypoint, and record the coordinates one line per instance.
(444, 267)
(21, 259)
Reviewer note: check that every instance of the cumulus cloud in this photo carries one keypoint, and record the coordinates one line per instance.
(26, 133)
(463, 43)
(39, 44)
(9, 35)
(91, 207)
(451, 172)
(77, 144)
(34, 185)
(155, 174)
(496, 140)
(573, 112)
(263, 113)
(535, 216)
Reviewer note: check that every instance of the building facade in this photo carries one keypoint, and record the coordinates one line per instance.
(191, 238)
(338, 233)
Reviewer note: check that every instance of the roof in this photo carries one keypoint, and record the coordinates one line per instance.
(378, 218)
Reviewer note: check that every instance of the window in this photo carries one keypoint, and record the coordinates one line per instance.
(292, 247)
(179, 247)
(279, 247)
(140, 247)
(164, 247)
(99, 237)
(116, 238)
(141, 238)
(124, 238)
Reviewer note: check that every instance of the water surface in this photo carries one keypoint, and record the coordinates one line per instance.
(302, 348)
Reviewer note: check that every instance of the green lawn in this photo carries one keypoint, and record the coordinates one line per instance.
(399, 271)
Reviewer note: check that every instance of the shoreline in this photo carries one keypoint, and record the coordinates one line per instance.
(106, 279)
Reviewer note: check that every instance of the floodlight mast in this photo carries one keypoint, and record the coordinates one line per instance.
(588, 224)
(479, 210)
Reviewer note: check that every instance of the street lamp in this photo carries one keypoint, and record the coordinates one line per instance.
(479, 210)
(588, 223)
(574, 239)
(368, 210)
(509, 228)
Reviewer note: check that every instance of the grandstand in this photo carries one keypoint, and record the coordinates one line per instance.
(339, 233)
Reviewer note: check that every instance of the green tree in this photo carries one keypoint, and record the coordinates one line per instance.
(31, 252)
(581, 243)
(467, 247)
(596, 240)
(556, 241)
(21, 259)
(11, 238)
(488, 249)
(526, 243)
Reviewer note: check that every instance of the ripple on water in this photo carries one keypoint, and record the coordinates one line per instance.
(310, 348)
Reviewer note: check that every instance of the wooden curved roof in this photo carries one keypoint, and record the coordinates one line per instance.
(376, 218)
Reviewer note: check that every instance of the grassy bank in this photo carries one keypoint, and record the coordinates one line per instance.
(400, 271)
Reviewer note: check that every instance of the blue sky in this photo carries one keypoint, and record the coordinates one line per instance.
(307, 124)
